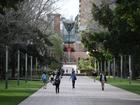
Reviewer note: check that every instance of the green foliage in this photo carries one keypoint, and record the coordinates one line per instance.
(103, 14)
(123, 24)
(56, 51)
(54, 65)
(8, 4)
(95, 44)
(57, 47)
(25, 29)
(85, 64)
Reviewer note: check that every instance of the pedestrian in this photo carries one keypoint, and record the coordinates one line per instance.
(62, 72)
(94, 74)
(103, 79)
(57, 82)
(73, 77)
(44, 79)
(67, 71)
(51, 78)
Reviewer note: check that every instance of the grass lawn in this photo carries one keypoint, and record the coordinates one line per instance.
(124, 84)
(15, 94)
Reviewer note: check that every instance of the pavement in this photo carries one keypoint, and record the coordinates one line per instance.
(86, 92)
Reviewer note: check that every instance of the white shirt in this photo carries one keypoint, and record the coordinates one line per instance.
(103, 77)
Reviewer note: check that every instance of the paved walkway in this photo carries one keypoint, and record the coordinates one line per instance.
(86, 93)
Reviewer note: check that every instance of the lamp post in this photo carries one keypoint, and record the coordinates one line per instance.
(18, 67)
(26, 57)
(36, 64)
(105, 66)
(31, 69)
(98, 67)
(121, 65)
(130, 70)
(114, 67)
(95, 65)
(69, 26)
(6, 71)
(108, 68)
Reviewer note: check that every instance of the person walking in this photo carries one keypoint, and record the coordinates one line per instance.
(57, 82)
(73, 77)
(51, 78)
(44, 79)
(102, 80)
(94, 74)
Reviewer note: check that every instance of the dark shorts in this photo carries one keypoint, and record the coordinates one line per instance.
(44, 81)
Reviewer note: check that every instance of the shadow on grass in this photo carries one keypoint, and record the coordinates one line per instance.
(11, 100)
(17, 91)
(15, 94)
(14, 97)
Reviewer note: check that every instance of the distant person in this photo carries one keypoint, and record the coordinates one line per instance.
(77, 71)
(102, 80)
(57, 82)
(94, 74)
(51, 78)
(62, 72)
(73, 77)
(67, 71)
(44, 79)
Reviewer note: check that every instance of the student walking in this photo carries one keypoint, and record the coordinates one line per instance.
(94, 74)
(57, 82)
(73, 77)
(44, 79)
(51, 78)
(102, 80)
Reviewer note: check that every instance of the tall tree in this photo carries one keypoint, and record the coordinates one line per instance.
(8, 4)
(123, 24)
(28, 24)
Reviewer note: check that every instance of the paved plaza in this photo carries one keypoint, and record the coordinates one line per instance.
(87, 92)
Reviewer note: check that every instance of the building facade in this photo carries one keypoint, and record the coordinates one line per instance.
(85, 16)
(86, 20)
(54, 20)
(73, 48)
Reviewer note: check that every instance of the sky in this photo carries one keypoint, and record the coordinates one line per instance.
(68, 8)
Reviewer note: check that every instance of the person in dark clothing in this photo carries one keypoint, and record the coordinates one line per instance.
(102, 80)
(62, 72)
(94, 74)
(57, 82)
(73, 77)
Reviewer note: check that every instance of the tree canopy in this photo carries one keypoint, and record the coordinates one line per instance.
(121, 35)
(8, 4)
(25, 26)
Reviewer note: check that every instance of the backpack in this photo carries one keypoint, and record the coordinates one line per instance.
(75, 78)
(57, 80)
